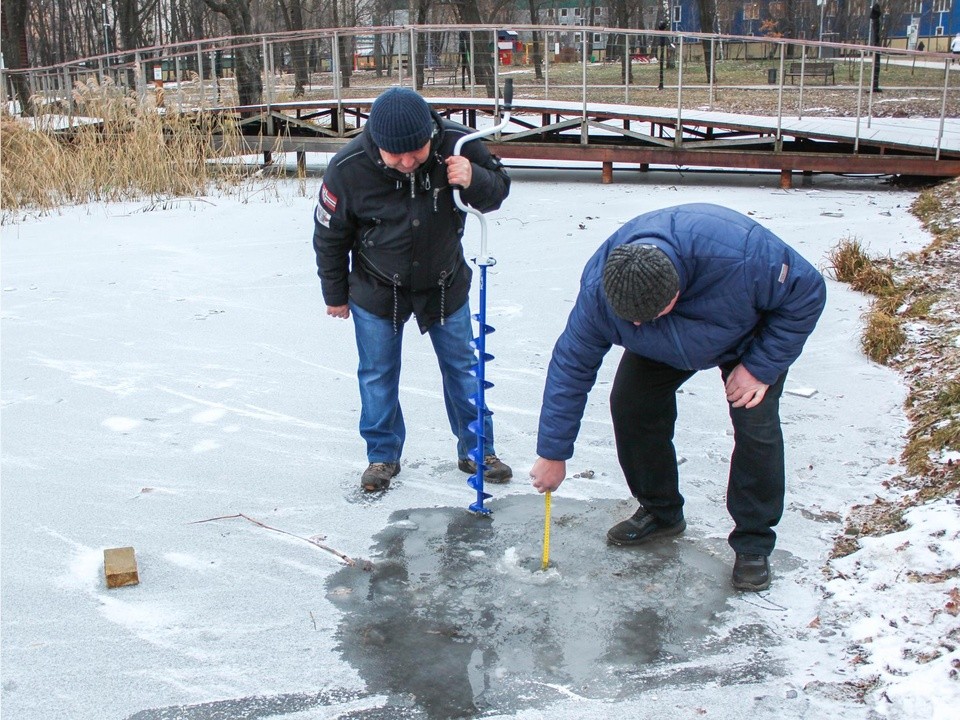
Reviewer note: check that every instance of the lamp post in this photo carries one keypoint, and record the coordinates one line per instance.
(106, 30)
(823, 7)
(875, 14)
(662, 25)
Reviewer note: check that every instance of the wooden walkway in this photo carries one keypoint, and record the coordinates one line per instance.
(608, 134)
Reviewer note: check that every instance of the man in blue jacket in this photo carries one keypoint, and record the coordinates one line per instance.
(387, 237)
(685, 289)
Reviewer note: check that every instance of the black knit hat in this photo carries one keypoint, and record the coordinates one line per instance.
(400, 121)
(639, 281)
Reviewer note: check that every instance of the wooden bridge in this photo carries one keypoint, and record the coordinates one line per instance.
(567, 115)
(627, 135)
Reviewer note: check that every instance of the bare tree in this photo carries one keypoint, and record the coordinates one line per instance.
(246, 60)
(14, 46)
(708, 12)
(537, 39)
(468, 13)
(293, 18)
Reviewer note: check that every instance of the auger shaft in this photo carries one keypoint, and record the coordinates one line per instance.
(483, 261)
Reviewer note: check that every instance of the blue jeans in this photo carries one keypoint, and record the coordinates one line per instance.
(381, 418)
(643, 403)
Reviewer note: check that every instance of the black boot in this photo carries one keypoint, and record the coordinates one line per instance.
(641, 528)
(751, 572)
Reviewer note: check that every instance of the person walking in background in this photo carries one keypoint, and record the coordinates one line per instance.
(387, 237)
(955, 46)
(684, 289)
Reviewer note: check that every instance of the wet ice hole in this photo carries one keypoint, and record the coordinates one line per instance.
(527, 569)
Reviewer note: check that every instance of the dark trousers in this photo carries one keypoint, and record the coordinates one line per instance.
(643, 403)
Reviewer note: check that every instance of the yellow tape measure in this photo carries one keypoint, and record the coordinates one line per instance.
(546, 533)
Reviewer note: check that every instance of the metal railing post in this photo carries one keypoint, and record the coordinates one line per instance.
(856, 135)
(780, 98)
(335, 66)
(546, 69)
(803, 73)
(413, 58)
(713, 70)
(626, 69)
(178, 80)
(203, 95)
(584, 135)
(943, 106)
(473, 67)
(678, 133)
(496, 70)
(140, 82)
(68, 90)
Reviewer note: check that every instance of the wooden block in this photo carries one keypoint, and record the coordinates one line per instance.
(120, 566)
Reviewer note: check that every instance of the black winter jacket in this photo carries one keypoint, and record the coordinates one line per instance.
(391, 242)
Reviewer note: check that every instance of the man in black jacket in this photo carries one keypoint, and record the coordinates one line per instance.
(387, 235)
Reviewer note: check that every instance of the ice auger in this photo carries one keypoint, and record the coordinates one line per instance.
(482, 261)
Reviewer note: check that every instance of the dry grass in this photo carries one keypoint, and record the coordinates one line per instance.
(883, 336)
(927, 291)
(129, 152)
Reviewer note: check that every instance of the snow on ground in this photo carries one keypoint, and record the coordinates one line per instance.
(162, 367)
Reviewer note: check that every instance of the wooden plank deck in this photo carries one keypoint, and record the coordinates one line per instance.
(608, 133)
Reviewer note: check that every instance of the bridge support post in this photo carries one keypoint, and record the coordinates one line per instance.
(606, 174)
(786, 179)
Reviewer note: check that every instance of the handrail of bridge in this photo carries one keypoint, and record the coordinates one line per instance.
(55, 82)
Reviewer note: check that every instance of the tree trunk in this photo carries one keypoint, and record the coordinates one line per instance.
(293, 18)
(246, 61)
(468, 13)
(13, 35)
(707, 11)
(537, 39)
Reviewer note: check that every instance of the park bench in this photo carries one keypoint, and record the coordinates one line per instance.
(446, 74)
(811, 69)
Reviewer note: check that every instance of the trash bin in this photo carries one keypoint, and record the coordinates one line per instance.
(771, 76)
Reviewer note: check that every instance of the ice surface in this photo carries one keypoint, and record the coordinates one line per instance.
(165, 367)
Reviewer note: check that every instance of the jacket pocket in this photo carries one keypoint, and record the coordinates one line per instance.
(381, 275)
(369, 239)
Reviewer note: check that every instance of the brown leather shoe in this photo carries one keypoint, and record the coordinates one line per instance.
(495, 471)
(377, 476)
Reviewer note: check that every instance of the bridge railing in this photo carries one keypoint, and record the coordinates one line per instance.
(774, 77)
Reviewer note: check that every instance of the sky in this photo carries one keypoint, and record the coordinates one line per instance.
(170, 382)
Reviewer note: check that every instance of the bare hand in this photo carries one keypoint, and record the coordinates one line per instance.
(339, 311)
(459, 171)
(743, 389)
(548, 474)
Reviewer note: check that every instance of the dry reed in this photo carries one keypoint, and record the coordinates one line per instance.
(114, 149)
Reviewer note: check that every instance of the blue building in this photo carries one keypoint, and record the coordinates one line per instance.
(905, 23)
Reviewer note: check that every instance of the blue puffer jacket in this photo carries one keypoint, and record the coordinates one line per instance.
(744, 295)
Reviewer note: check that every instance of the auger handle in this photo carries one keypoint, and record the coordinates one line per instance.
(457, 148)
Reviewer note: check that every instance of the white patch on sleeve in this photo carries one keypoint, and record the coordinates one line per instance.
(784, 271)
(321, 215)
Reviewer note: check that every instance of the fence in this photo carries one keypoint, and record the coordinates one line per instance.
(550, 62)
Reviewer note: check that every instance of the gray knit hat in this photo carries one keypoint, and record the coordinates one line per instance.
(639, 281)
(400, 121)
